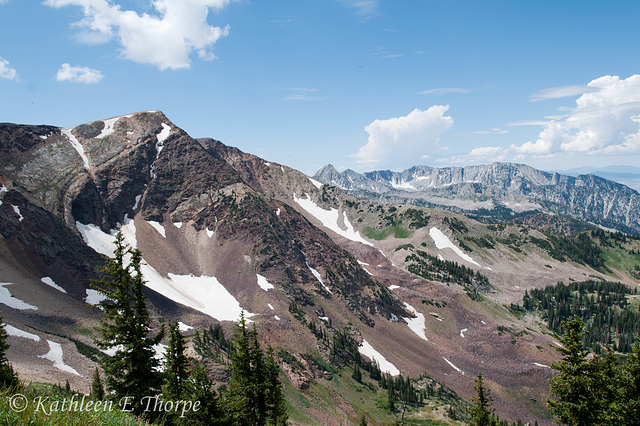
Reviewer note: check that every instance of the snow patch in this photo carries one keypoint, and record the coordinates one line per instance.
(266, 163)
(77, 146)
(363, 264)
(453, 366)
(48, 281)
(329, 219)
(137, 204)
(385, 366)
(278, 212)
(178, 224)
(393, 286)
(276, 317)
(3, 189)
(263, 283)
(158, 227)
(318, 276)
(270, 306)
(16, 209)
(462, 332)
(183, 327)
(541, 365)
(209, 233)
(316, 183)
(55, 355)
(94, 297)
(16, 332)
(162, 136)
(11, 301)
(417, 325)
(442, 242)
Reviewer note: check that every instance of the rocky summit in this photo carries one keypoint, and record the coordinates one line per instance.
(498, 191)
(424, 292)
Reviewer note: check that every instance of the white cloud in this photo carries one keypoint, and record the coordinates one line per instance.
(604, 121)
(6, 71)
(78, 74)
(166, 39)
(487, 151)
(445, 91)
(562, 92)
(494, 131)
(397, 142)
(364, 9)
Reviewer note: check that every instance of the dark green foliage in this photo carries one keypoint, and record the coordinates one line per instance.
(176, 364)
(579, 248)
(432, 268)
(8, 377)
(602, 305)
(212, 344)
(200, 389)
(97, 388)
(255, 395)
(418, 218)
(456, 225)
(126, 326)
(481, 409)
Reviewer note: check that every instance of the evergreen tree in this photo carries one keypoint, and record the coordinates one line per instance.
(8, 377)
(199, 388)
(255, 395)
(126, 326)
(176, 364)
(575, 386)
(480, 410)
(97, 389)
(629, 406)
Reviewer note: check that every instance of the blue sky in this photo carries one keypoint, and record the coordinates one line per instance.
(361, 84)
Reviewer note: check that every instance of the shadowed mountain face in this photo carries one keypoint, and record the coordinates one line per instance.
(222, 231)
(497, 192)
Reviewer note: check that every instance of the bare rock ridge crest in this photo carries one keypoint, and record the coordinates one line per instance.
(497, 191)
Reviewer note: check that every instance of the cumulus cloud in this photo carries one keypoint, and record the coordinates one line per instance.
(78, 74)
(397, 142)
(6, 71)
(165, 39)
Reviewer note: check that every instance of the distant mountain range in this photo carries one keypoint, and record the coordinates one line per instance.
(498, 191)
(626, 175)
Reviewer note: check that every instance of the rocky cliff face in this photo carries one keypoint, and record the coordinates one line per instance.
(498, 191)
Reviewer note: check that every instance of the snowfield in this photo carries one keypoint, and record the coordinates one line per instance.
(442, 242)
(204, 294)
(453, 366)
(77, 146)
(16, 209)
(417, 325)
(162, 136)
(55, 355)
(48, 281)
(183, 327)
(16, 332)
(263, 283)
(94, 297)
(317, 275)
(330, 219)
(385, 366)
(158, 227)
(11, 301)
(316, 183)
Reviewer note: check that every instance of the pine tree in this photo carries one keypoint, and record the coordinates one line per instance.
(126, 326)
(97, 389)
(629, 406)
(276, 409)
(576, 402)
(480, 410)
(176, 364)
(8, 377)
(199, 388)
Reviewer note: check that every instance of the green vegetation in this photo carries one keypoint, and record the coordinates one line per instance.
(432, 268)
(604, 306)
(395, 229)
(579, 248)
(593, 390)
(418, 218)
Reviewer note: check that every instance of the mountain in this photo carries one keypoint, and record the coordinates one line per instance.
(626, 175)
(317, 270)
(498, 191)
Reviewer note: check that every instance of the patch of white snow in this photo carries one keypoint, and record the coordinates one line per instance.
(162, 136)
(393, 286)
(276, 317)
(183, 327)
(453, 366)
(263, 283)
(94, 297)
(442, 242)
(385, 366)
(462, 332)
(209, 233)
(137, 204)
(16, 332)
(158, 227)
(541, 365)
(178, 224)
(316, 183)
(77, 146)
(317, 275)
(16, 209)
(278, 212)
(3, 189)
(417, 324)
(329, 219)
(55, 355)
(11, 301)
(48, 281)
(270, 306)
